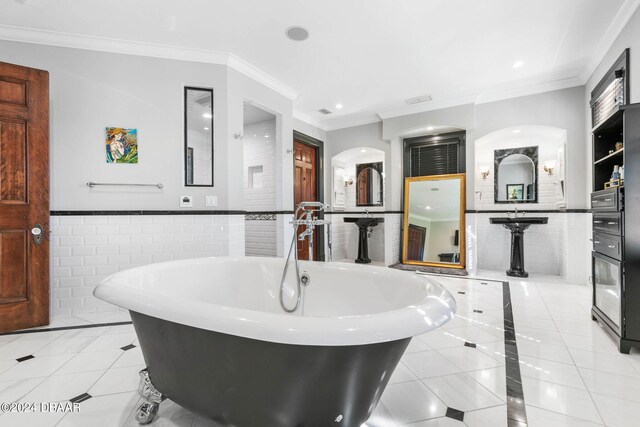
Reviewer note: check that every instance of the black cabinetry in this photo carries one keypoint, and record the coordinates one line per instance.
(615, 204)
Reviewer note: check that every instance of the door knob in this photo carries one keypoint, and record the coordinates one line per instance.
(37, 234)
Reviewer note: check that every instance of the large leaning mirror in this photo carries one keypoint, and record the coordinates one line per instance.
(369, 184)
(516, 180)
(434, 221)
(198, 137)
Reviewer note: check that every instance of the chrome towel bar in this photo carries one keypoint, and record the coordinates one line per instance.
(93, 184)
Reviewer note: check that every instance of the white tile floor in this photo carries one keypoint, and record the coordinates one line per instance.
(571, 372)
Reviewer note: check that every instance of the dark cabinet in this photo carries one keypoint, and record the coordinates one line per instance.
(615, 204)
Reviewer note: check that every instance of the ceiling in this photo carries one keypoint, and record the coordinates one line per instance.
(369, 55)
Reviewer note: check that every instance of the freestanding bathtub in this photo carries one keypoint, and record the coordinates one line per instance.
(216, 341)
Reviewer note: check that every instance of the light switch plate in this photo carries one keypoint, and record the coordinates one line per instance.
(186, 201)
(211, 201)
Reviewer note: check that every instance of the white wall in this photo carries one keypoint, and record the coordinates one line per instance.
(562, 109)
(309, 130)
(548, 140)
(353, 138)
(93, 90)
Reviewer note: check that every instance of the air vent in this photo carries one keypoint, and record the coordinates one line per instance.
(418, 99)
(325, 111)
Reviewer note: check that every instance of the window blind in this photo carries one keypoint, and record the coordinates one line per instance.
(439, 159)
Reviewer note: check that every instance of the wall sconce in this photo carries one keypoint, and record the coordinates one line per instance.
(549, 167)
(348, 181)
(484, 171)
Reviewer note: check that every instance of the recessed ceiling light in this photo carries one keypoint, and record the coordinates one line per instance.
(207, 115)
(363, 150)
(518, 64)
(430, 128)
(339, 106)
(516, 131)
(427, 207)
(206, 128)
(296, 33)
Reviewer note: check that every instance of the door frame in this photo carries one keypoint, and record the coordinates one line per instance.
(319, 147)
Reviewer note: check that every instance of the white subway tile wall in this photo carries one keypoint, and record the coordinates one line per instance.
(261, 238)
(393, 237)
(86, 249)
(345, 238)
(260, 150)
(559, 248)
(547, 193)
(260, 192)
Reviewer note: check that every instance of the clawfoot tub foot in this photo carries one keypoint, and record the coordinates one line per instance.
(149, 408)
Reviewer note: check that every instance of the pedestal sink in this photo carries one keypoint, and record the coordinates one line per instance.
(517, 226)
(363, 224)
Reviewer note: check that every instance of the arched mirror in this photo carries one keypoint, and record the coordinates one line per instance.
(516, 178)
(369, 184)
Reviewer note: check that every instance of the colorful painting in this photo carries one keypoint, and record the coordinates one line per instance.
(515, 191)
(122, 145)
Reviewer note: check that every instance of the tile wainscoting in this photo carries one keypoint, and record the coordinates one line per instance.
(384, 243)
(561, 247)
(87, 248)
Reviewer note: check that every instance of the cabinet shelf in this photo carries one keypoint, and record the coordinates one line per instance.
(610, 156)
(613, 120)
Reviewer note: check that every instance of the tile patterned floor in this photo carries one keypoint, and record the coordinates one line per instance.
(571, 372)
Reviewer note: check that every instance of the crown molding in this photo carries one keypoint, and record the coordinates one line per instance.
(351, 121)
(309, 120)
(516, 92)
(429, 106)
(154, 50)
(614, 30)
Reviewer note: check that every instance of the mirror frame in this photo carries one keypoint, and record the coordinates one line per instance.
(500, 155)
(462, 234)
(377, 166)
(186, 139)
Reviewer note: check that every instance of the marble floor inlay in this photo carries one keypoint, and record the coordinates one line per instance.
(524, 353)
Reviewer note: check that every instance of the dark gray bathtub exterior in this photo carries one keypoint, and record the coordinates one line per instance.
(243, 382)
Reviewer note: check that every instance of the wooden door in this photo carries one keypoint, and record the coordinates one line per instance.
(364, 190)
(24, 197)
(415, 240)
(305, 188)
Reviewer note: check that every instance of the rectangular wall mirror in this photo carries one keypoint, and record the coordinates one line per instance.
(433, 234)
(198, 137)
(516, 176)
(369, 184)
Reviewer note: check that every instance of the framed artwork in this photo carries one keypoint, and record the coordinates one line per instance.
(515, 191)
(121, 145)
